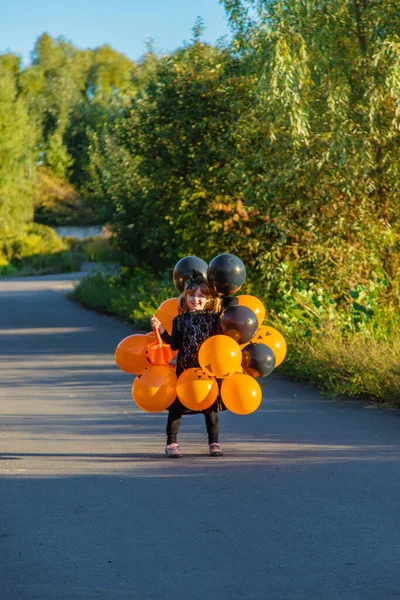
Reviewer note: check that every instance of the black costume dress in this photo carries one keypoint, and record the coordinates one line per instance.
(189, 331)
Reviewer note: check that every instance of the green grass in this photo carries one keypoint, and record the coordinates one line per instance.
(356, 366)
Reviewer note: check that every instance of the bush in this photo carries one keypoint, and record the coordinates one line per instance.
(133, 295)
(96, 249)
(34, 239)
(57, 202)
(38, 249)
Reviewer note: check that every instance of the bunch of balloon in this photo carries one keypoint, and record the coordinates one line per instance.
(243, 323)
(267, 347)
(265, 351)
(154, 388)
(220, 356)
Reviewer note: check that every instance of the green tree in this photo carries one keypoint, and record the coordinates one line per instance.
(17, 151)
(71, 93)
(318, 152)
(162, 165)
(52, 86)
(109, 85)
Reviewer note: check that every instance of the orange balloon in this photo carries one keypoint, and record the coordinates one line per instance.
(220, 356)
(130, 354)
(196, 389)
(155, 389)
(274, 340)
(167, 311)
(241, 394)
(255, 305)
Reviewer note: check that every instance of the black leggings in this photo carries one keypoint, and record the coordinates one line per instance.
(174, 422)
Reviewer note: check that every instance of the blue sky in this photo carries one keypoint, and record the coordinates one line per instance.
(123, 24)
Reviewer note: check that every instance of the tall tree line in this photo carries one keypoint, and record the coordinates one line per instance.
(283, 148)
(47, 113)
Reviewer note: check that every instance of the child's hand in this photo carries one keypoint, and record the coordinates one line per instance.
(156, 323)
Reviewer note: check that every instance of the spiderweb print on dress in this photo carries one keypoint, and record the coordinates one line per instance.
(195, 328)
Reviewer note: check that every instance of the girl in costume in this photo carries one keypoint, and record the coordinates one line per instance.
(198, 320)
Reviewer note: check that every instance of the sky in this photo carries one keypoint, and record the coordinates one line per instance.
(123, 24)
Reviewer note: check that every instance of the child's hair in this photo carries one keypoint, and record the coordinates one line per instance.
(213, 302)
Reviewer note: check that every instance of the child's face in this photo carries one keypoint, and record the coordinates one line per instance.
(196, 300)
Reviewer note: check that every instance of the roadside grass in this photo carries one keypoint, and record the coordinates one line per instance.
(63, 261)
(356, 365)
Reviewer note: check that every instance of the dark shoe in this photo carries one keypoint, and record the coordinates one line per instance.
(172, 451)
(215, 450)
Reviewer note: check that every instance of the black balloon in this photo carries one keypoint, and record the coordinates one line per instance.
(226, 273)
(239, 322)
(258, 360)
(184, 268)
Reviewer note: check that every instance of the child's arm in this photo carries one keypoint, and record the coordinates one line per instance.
(176, 337)
(168, 339)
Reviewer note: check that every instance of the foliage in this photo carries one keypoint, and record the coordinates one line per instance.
(57, 202)
(161, 165)
(36, 249)
(69, 92)
(17, 151)
(280, 154)
(97, 249)
(35, 239)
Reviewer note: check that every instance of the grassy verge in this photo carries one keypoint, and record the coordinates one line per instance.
(357, 365)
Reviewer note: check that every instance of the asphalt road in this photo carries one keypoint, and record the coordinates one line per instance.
(304, 505)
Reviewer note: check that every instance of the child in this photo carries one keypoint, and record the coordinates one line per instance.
(197, 321)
